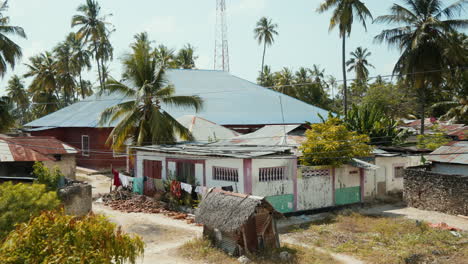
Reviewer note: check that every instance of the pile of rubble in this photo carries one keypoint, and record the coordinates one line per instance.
(128, 202)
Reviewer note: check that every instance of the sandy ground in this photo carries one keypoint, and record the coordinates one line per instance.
(162, 235)
(416, 214)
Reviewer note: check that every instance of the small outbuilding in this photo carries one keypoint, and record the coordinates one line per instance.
(238, 223)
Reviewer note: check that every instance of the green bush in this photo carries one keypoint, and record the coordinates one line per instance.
(20, 202)
(54, 237)
(44, 176)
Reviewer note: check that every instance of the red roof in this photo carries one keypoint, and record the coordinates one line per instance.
(44, 145)
(32, 149)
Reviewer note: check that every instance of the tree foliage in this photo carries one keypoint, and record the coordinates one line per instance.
(434, 140)
(371, 120)
(7, 120)
(332, 143)
(265, 32)
(49, 178)
(10, 52)
(20, 202)
(423, 35)
(54, 237)
(142, 119)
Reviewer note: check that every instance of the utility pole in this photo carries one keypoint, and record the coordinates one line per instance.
(221, 57)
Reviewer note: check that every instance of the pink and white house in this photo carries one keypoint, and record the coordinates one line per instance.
(268, 171)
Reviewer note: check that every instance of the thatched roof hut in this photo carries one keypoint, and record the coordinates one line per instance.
(234, 220)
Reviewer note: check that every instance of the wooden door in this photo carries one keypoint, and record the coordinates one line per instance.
(152, 169)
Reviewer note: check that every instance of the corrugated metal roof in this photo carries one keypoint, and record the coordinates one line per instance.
(44, 145)
(10, 152)
(217, 150)
(272, 135)
(205, 131)
(459, 147)
(229, 100)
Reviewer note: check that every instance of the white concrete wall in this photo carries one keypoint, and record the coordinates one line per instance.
(344, 179)
(315, 192)
(274, 187)
(386, 172)
(228, 163)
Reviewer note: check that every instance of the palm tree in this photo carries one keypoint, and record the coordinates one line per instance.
(458, 112)
(284, 81)
(266, 78)
(142, 118)
(10, 52)
(423, 37)
(165, 57)
(265, 33)
(64, 69)
(44, 86)
(7, 121)
(186, 57)
(80, 60)
(19, 96)
(93, 29)
(359, 63)
(343, 17)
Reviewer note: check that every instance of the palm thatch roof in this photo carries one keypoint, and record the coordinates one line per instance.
(229, 211)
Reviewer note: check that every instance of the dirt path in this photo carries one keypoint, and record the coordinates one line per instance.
(345, 259)
(162, 235)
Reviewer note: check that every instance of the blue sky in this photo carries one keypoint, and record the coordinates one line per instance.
(303, 38)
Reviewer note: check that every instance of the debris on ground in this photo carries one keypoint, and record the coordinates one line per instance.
(444, 226)
(243, 260)
(129, 202)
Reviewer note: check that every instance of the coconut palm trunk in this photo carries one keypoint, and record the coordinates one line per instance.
(345, 88)
(101, 83)
(263, 59)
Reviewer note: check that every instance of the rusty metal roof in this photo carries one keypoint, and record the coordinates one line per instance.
(44, 145)
(459, 148)
(10, 152)
(32, 149)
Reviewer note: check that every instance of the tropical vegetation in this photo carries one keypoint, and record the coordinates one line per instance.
(423, 35)
(265, 32)
(343, 17)
(10, 52)
(20, 202)
(142, 119)
(53, 237)
(331, 143)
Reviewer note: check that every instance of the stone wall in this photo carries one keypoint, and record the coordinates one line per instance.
(432, 191)
(76, 198)
(67, 165)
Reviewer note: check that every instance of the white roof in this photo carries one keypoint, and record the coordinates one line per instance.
(205, 131)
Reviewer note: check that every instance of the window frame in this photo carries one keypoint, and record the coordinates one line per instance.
(397, 166)
(234, 177)
(83, 152)
(274, 178)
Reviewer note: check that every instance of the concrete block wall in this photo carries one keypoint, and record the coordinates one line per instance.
(432, 191)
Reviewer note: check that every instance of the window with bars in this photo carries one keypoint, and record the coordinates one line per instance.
(225, 174)
(399, 171)
(85, 145)
(273, 174)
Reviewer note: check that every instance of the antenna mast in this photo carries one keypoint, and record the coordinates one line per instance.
(221, 57)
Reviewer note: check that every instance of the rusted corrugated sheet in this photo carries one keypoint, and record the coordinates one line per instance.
(454, 152)
(11, 152)
(44, 145)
